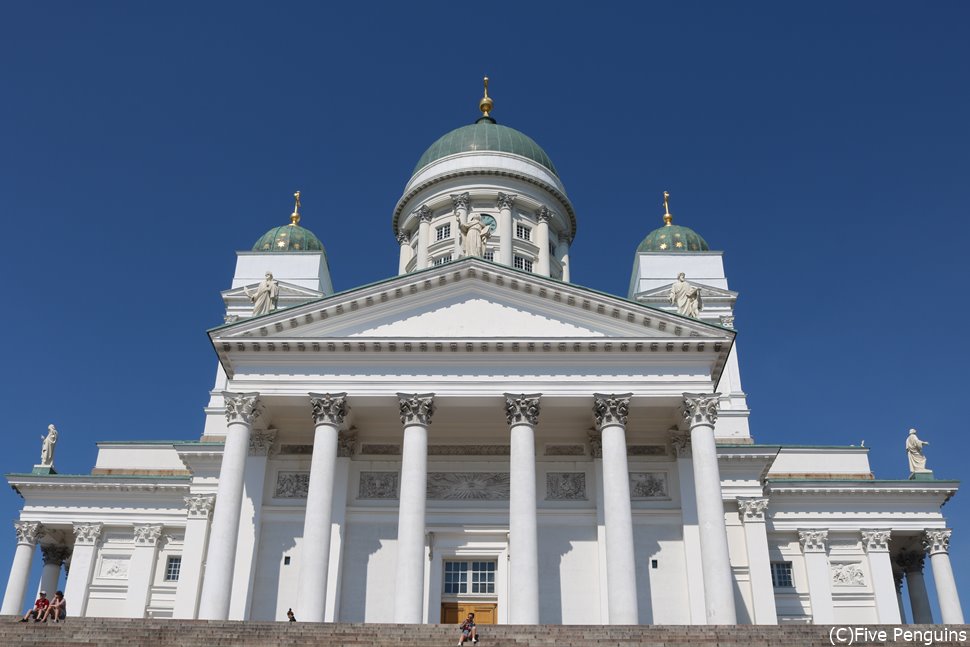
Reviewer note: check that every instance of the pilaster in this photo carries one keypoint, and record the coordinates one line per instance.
(87, 539)
(142, 569)
(752, 512)
(876, 544)
(198, 513)
(814, 548)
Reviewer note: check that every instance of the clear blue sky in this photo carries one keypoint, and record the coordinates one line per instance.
(823, 147)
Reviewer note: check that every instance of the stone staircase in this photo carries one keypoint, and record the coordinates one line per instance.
(116, 632)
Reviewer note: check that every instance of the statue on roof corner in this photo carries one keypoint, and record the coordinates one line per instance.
(47, 449)
(264, 301)
(914, 450)
(474, 235)
(687, 297)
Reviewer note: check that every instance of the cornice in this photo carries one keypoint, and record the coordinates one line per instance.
(98, 483)
(856, 487)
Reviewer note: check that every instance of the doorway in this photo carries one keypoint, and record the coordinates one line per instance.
(453, 613)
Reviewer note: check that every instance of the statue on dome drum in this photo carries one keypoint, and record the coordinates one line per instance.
(914, 451)
(267, 294)
(474, 235)
(47, 448)
(686, 297)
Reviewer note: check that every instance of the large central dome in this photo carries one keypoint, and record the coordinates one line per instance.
(485, 135)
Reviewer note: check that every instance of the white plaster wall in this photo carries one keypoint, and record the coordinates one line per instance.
(109, 578)
(275, 583)
(655, 269)
(368, 581)
(130, 456)
(821, 460)
(662, 591)
(568, 572)
(306, 269)
(161, 600)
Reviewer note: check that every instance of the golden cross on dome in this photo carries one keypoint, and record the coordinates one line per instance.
(295, 216)
(668, 218)
(486, 104)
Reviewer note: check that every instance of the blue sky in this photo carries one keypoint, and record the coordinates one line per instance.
(822, 146)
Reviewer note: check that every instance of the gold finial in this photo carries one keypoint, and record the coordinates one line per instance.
(485, 105)
(295, 216)
(668, 217)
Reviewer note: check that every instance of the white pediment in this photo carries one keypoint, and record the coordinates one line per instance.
(287, 291)
(707, 291)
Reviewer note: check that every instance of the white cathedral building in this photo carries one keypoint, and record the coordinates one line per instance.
(479, 433)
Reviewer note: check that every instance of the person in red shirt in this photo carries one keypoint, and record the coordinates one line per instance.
(40, 608)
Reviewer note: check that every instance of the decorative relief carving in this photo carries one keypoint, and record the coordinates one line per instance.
(347, 443)
(543, 214)
(460, 200)
(566, 486)
(522, 408)
(55, 554)
(27, 531)
(292, 485)
(424, 213)
(646, 450)
(680, 442)
(565, 450)
(199, 506)
(595, 444)
(848, 575)
(230, 319)
(328, 408)
(937, 541)
(416, 408)
(611, 409)
(505, 200)
(875, 541)
(475, 486)
(114, 568)
(469, 450)
(752, 509)
(147, 535)
(403, 238)
(700, 408)
(813, 541)
(261, 442)
(242, 407)
(378, 485)
(296, 449)
(911, 561)
(87, 534)
(380, 449)
(648, 485)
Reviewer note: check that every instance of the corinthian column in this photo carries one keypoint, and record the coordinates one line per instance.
(815, 549)
(54, 557)
(562, 255)
(329, 410)
(241, 410)
(876, 545)
(543, 216)
(405, 257)
(610, 413)
(522, 414)
(700, 414)
(919, 600)
(937, 544)
(27, 534)
(416, 411)
(424, 235)
(505, 202)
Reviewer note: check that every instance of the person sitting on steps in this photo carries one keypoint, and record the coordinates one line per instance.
(57, 608)
(40, 608)
(468, 630)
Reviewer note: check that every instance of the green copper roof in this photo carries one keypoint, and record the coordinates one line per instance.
(288, 238)
(486, 135)
(673, 238)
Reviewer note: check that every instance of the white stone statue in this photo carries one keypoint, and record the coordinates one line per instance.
(267, 293)
(47, 449)
(687, 297)
(914, 450)
(473, 235)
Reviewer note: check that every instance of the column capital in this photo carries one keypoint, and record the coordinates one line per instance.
(700, 409)
(875, 541)
(937, 541)
(611, 409)
(199, 506)
(522, 408)
(28, 532)
(403, 238)
(680, 442)
(87, 534)
(261, 442)
(55, 553)
(595, 443)
(328, 408)
(752, 509)
(416, 408)
(543, 214)
(242, 407)
(459, 200)
(813, 541)
(911, 561)
(424, 213)
(346, 443)
(505, 200)
(148, 534)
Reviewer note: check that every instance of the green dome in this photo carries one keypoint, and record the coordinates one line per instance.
(673, 238)
(486, 135)
(288, 238)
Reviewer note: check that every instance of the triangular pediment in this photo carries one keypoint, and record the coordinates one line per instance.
(469, 299)
(707, 291)
(287, 290)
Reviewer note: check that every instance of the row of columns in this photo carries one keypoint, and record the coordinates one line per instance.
(935, 543)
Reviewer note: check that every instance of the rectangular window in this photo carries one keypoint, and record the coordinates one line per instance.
(523, 232)
(521, 263)
(441, 260)
(470, 577)
(172, 568)
(781, 575)
(490, 255)
(443, 232)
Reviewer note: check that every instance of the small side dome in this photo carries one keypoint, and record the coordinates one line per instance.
(671, 237)
(289, 238)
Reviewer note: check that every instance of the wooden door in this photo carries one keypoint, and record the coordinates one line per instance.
(453, 613)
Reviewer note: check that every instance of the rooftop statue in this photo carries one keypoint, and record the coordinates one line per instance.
(264, 301)
(687, 297)
(47, 449)
(473, 235)
(914, 450)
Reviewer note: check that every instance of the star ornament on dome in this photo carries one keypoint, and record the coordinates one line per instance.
(663, 245)
(281, 243)
(678, 244)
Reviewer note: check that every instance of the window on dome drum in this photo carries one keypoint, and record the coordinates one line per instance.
(172, 568)
(521, 263)
(489, 255)
(781, 576)
(443, 232)
(441, 260)
(522, 232)
(474, 577)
